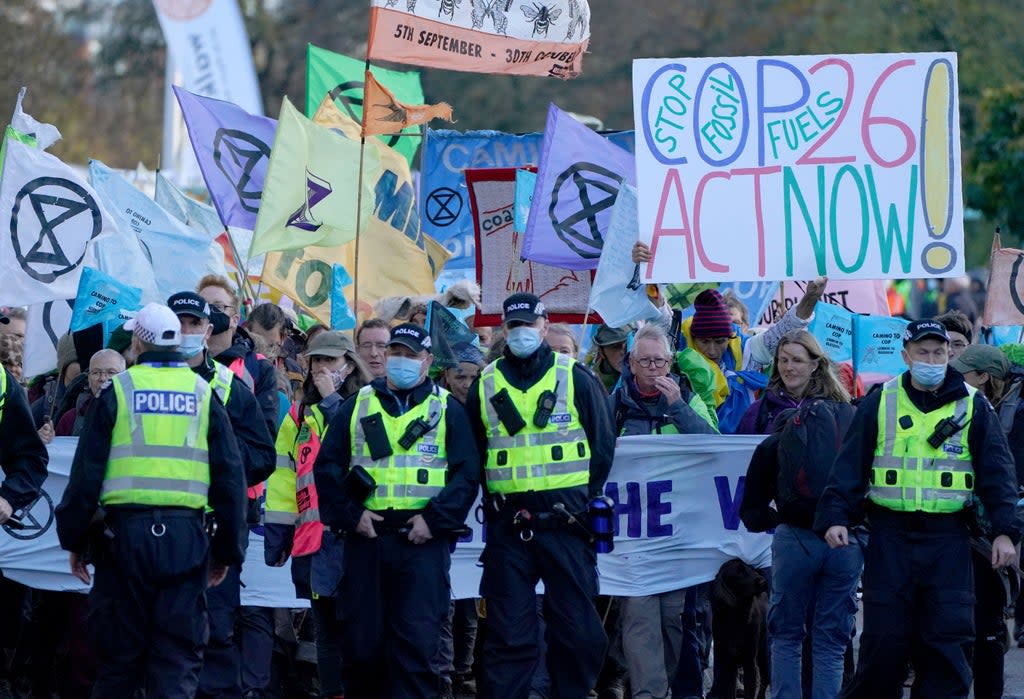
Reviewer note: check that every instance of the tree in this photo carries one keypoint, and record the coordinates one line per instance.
(998, 166)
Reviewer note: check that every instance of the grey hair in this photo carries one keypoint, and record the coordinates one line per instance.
(109, 353)
(652, 331)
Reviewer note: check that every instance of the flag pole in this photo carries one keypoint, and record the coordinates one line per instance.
(359, 194)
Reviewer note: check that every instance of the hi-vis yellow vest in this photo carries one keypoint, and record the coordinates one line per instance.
(908, 474)
(158, 447)
(409, 478)
(221, 382)
(546, 458)
(3, 391)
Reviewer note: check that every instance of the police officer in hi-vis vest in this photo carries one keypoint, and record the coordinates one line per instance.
(221, 675)
(914, 459)
(545, 431)
(396, 474)
(157, 450)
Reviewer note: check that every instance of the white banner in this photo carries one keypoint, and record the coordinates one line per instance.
(677, 521)
(791, 167)
(211, 56)
(32, 556)
(677, 516)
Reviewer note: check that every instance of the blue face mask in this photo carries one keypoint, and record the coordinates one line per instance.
(191, 345)
(928, 375)
(524, 340)
(403, 371)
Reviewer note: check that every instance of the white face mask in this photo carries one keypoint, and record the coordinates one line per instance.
(191, 345)
(524, 340)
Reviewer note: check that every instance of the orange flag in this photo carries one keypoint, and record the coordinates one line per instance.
(383, 114)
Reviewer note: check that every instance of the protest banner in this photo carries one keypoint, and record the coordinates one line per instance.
(871, 344)
(45, 323)
(482, 36)
(499, 264)
(578, 179)
(103, 300)
(33, 557)
(773, 168)
(341, 78)
(676, 497)
(677, 500)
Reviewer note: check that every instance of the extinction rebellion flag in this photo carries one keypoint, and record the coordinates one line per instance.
(483, 36)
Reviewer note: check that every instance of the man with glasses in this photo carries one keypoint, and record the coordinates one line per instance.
(661, 639)
(372, 339)
(545, 435)
(103, 367)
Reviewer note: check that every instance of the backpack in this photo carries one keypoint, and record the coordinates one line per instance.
(809, 439)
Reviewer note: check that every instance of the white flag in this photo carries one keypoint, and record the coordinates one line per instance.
(44, 134)
(618, 293)
(53, 214)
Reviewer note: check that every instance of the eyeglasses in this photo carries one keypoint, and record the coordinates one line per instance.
(648, 362)
(367, 346)
(104, 373)
(223, 307)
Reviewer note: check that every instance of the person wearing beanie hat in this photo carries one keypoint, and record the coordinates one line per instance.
(738, 361)
(68, 369)
(156, 453)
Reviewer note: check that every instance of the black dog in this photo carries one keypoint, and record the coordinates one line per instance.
(739, 611)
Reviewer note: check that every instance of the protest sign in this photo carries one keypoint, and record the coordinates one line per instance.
(833, 327)
(45, 323)
(1004, 303)
(871, 344)
(499, 265)
(482, 36)
(799, 166)
(851, 294)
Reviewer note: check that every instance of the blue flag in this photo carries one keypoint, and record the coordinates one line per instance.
(526, 182)
(178, 254)
(103, 300)
(342, 317)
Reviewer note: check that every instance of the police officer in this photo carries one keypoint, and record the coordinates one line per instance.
(410, 438)
(157, 449)
(913, 457)
(221, 673)
(544, 428)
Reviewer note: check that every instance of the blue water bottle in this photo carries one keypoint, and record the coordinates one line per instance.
(601, 512)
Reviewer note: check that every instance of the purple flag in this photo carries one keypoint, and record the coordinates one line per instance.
(578, 181)
(233, 149)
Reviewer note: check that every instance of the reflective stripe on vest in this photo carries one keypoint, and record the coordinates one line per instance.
(409, 478)
(158, 446)
(221, 382)
(908, 474)
(554, 456)
(280, 502)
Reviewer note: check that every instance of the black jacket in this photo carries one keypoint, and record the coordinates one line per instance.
(227, 490)
(23, 457)
(264, 377)
(255, 445)
(595, 416)
(445, 512)
(633, 414)
(844, 501)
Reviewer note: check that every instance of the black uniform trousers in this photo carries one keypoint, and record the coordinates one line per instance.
(394, 597)
(575, 637)
(221, 674)
(988, 662)
(147, 608)
(918, 605)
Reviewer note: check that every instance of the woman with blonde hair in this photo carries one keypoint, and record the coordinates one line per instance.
(562, 339)
(807, 411)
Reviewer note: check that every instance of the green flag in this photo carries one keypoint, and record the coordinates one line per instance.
(342, 77)
(312, 191)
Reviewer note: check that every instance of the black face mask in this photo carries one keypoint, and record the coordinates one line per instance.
(220, 321)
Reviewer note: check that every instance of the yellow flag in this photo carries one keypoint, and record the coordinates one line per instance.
(393, 258)
(383, 114)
